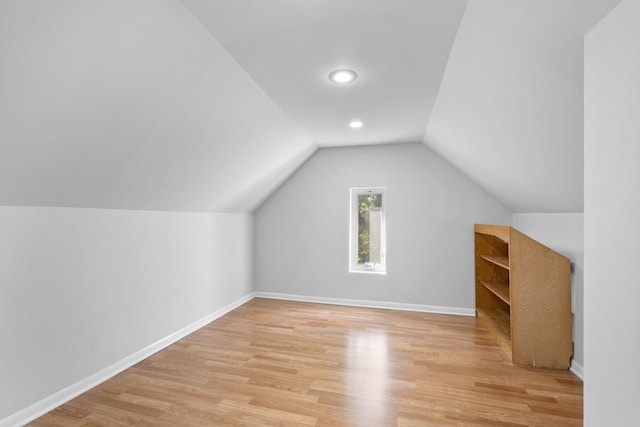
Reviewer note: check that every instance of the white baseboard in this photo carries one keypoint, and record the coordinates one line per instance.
(577, 369)
(458, 311)
(47, 404)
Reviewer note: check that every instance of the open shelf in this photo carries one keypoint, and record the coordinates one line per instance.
(501, 290)
(500, 261)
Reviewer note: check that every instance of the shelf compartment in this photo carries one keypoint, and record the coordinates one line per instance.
(500, 261)
(501, 290)
(499, 325)
(501, 231)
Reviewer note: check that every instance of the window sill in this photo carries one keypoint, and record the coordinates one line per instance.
(383, 273)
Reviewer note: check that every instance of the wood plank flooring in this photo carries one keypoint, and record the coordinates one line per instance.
(280, 363)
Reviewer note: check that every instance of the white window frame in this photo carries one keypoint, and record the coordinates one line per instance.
(354, 267)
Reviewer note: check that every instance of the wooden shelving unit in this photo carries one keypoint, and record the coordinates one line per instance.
(523, 293)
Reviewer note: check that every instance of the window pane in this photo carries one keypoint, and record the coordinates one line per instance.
(369, 228)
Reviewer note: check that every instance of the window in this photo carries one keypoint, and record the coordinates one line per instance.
(367, 242)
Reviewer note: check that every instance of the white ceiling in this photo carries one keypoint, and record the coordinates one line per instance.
(509, 112)
(398, 48)
(209, 105)
(132, 104)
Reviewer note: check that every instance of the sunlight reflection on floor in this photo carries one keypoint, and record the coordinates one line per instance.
(367, 382)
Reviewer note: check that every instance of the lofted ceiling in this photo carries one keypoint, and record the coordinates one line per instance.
(132, 104)
(399, 49)
(209, 105)
(510, 107)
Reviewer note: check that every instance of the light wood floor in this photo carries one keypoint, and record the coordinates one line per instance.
(278, 363)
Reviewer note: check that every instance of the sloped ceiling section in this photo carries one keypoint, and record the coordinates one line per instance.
(398, 48)
(201, 105)
(132, 104)
(510, 108)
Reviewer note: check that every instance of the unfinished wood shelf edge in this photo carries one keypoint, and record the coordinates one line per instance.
(523, 293)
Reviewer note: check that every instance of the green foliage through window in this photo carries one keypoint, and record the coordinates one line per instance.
(368, 230)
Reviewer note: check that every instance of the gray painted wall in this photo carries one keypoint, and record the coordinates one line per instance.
(612, 218)
(81, 289)
(301, 232)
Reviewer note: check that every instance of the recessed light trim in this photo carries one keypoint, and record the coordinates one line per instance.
(343, 76)
(356, 124)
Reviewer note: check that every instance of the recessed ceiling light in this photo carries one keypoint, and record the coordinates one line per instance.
(343, 76)
(356, 124)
